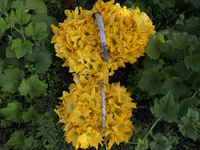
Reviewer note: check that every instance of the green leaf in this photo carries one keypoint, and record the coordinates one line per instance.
(196, 85)
(180, 40)
(182, 70)
(37, 32)
(141, 144)
(193, 115)
(29, 142)
(48, 20)
(10, 53)
(193, 62)
(193, 43)
(16, 4)
(151, 81)
(1, 66)
(20, 48)
(42, 60)
(30, 115)
(169, 50)
(189, 131)
(10, 80)
(3, 26)
(153, 64)
(152, 48)
(160, 142)
(3, 4)
(21, 16)
(166, 107)
(169, 72)
(184, 105)
(37, 5)
(13, 111)
(17, 139)
(32, 86)
(175, 86)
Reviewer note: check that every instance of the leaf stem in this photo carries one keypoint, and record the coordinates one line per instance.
(22, 33)
(152, 127)
(194, 95)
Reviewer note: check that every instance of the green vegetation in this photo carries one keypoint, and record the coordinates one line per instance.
(165, 83)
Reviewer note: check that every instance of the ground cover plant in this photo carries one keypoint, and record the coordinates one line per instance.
(164, 83)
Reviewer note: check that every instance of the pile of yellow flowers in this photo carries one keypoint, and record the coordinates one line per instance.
(77, 41)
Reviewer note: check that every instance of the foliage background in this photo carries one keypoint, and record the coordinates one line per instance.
(176, 22)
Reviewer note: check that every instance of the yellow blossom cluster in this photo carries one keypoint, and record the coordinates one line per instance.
(77, 41)
(80, 113)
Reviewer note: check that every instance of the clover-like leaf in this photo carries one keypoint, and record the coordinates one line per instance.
(152, 48)
(175, 86)
(160, 142)
(21, 48)
(193, 62)
(30, 115)
(17, 139)
(13, 111)
(32, 86)
(182, 70)
(169, 72)
(37, 32)
(151, 81)
(42, 60)
(11, 79)
(166, 107)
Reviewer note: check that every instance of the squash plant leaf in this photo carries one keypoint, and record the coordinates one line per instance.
(169, 72)
(29, 142)
(160, 142)
(180, 41)
(3, 4)
(151, 81)
(152, 48)
(184, 106)
(13, 111)
(10, 79)
(21, 48)
(142, 144)
(17, 139)
(32, 86)
(20, 16)
(153, 64)
(3, 24)
(30, 115)
(196, 85)
(187, 125)
(182, 70)
(42, 60)
(37, 32)
(37, 5)
(175, 86)
(193, 62)
(166, 107)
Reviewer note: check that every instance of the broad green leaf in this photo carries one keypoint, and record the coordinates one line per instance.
(175, 86)
(10, 79)
(153, 64)
(29, 142)
(17, 139)
(37, 32)
(151, 81)
(142, 144)
(12, 19)
(37, 5)
(166, 107)
(3, 24)
(10, 53)
(193, 115)
(193, 43)
(188, 130)
(21, 16)
(42, 60)
(169, 72)
(48, 20)
(3, 4)
(182, 70)
(30, 115)
(21, 48)
(160, 143)
(184, 105)
(170, 52)
(180, 40)
(16, 4)
(193, 62)
(14, 63)
(13, 111)
(1, 66)
(152, 48)
(196, 85)
(32, 86)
